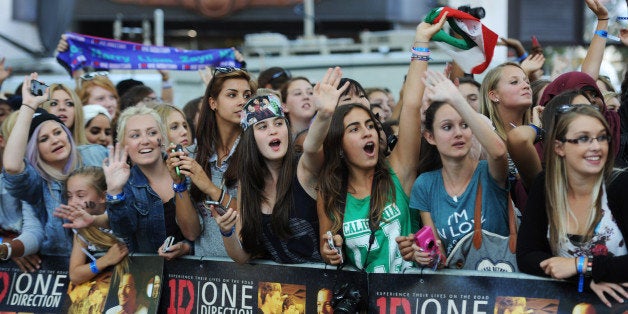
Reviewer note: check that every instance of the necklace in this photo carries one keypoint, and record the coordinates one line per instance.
(456, 191)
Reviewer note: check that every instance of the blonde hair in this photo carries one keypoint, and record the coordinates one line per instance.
(164, 110)
(489, 107)
(556, 184)
(78, 128)
(137, 111)
(7, 124)
(92, 234)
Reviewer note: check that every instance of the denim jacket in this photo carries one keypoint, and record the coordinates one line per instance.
(45, 196)
(139, 219)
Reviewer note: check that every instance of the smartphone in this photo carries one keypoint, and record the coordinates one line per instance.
(167, 244)
(38, 88)
(330, 243)
(220, 209)
(424, 238)
(178, 148)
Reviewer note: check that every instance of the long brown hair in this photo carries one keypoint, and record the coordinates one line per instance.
(335, 174)
(556, 184)
(253, 170)
(208, 136)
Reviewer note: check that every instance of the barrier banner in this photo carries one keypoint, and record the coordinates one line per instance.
(41, 292)
(194, 286)
(469, 292)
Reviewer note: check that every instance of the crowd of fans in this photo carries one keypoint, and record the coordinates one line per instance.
(263, 169)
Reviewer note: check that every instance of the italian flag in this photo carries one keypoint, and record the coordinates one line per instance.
(473, 51)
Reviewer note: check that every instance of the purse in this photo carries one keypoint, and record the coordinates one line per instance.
(484, 250)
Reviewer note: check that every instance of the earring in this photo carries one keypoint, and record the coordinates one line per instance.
(497, 100)
(342, 155)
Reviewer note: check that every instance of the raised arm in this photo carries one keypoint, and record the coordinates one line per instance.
(440, 88)
(13, 158)
(326, 94)
(595, 53)
(405, 157)
(523, 153)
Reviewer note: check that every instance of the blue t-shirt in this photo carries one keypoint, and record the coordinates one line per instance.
(454, 219)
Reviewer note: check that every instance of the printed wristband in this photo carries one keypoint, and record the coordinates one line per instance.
(180, 187)
(114, 198)
(540, 133)
(227, 234)
(580, 269)
(420, 49)
(604, 34)
(94, 268)
(9, 250)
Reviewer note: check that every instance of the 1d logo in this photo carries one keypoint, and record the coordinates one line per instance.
(402, 303)
(184, 286)
(4, 286)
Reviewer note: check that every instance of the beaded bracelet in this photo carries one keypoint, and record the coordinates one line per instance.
(94, 268)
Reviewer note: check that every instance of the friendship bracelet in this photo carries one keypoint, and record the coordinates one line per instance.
(420, 58)
(94, 268)
(9, 250)
(227, 234)
(580, 269)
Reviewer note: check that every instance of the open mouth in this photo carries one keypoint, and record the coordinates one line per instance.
(274, 144)
(146, 151)
(62, 117)
(57, 149)
(369, 148)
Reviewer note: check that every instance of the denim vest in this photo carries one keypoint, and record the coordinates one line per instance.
(45, 196)
(139, 219)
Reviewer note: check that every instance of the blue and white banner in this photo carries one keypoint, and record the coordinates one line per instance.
(103, 53)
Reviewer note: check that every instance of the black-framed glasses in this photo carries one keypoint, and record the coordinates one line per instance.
(585, 139)
(223, 70)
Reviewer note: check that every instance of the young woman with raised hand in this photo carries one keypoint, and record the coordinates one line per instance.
(65, 104)
(218, 133)
(363, 196)
(277, 190)
(149, 201)
(446, 195)
(576, 220)
(86, 188)
(42, 155)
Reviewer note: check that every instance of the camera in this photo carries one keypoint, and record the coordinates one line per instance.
(424, 238)
(346, 298)
(477, 12)
(38, 88)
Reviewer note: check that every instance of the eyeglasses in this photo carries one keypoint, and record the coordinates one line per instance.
(223, 70)
(587, 140)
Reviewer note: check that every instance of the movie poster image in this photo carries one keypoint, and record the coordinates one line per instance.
(518, 304)
(275, 297)
(137, 291)
(88, 297)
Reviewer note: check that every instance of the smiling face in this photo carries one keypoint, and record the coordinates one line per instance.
(512, 90)
(143, 139)
(99, 131)
(127, 292)
(62, 106)
(584, 159)
(232, 96)
(178, 131)
(299, 103)
(360, 142)
(53, 144)
(451, 135)
(103, 97)
(271, 137)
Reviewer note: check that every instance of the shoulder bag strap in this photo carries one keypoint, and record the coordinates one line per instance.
(512, 240)
(477, 218)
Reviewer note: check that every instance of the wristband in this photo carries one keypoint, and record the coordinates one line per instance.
(227, 234)
(420, 49)
(606, 19)
(166, 85)
(580, 269)
(420, 58)
(523, 57)
(94, 268)
(114, 198)
(540, 133)
(29, 107)
(9, 250)
(589, 270)
(179, 188)
(604, 34)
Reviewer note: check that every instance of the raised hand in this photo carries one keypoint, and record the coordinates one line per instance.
(326, 92)
(206, 75)
(533, 63)
(425, 31)
(5, 72)
(117, 171)
(29, 99)
(440, 88)
(597, 8)
(78, 217)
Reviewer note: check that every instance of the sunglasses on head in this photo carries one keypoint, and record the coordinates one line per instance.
(91, 75)
(584, 139)
(283, 73)
(218, 70)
